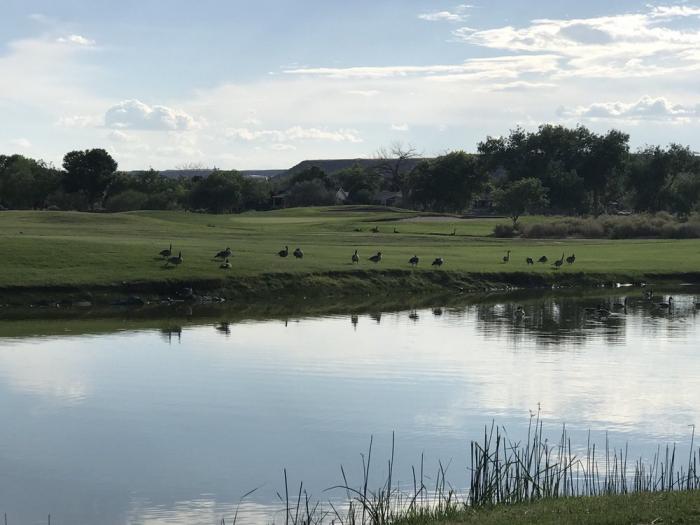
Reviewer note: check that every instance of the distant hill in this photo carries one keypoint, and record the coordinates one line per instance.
(331, 166)
(189, 174)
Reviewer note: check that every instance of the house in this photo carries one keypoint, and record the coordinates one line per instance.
(341, 196)
(388, 198)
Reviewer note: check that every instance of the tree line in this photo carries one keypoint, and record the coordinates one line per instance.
(554, 170)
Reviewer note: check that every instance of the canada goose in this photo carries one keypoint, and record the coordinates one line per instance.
(167, 252)
(223, 254)
(571, 259)
(413, 261)
(283, 253)
(355, 258)
(542, 259)
(666, 304)
(375, 229)
(506, 257)
(226, 265)
(298, 253)
(174, 260)
(454, 232)
(529, 261)
(439, 261)
(557, 264)
(376, 258)
(395, 230)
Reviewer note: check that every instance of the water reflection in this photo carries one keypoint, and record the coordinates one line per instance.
(115, 426)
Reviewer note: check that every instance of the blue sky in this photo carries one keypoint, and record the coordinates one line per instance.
(267, 83)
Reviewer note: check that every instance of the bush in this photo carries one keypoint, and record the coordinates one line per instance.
(126, 201)
(62, 200)
(504, 231)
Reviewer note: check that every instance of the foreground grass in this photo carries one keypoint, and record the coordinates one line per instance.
(69, 248)
(633, 509)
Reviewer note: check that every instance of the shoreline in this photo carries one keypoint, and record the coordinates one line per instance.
(275, 287)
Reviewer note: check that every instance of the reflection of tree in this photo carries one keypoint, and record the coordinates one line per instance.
(377, 317)
(555, 320)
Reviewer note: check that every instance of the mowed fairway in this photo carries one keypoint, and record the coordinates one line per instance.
(40, 248)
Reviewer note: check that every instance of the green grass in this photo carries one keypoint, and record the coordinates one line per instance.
(69, 248)
(628, 509)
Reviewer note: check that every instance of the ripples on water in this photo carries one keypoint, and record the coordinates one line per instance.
(172, 421)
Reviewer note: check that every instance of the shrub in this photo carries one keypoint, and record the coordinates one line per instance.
(504, 230)
(126, 201)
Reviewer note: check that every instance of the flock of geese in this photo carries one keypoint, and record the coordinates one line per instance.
(223, 257)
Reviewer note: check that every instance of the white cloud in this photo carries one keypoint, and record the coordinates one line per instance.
(367, 93)
(292, 134)
(442, 16)
(646, 108)
(21, 143)
(79, 121)
(119, 136)
(399, 127)
(76, 39)
(134, 114)
(617, 46)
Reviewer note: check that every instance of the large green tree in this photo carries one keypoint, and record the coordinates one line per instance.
(520, 197)
(90, 172)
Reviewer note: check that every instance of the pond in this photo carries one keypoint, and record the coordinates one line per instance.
(173, 419)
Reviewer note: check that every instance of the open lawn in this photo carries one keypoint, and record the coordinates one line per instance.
(39, 248)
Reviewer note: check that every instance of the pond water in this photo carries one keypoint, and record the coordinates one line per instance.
(172, 420)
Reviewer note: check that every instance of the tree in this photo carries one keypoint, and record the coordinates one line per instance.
(25, 182)
(393, 163)
(519, 197)
(220, 192)
(685, 193)
(359, 183)
(446, 183)
(89, 172)
(310, 193)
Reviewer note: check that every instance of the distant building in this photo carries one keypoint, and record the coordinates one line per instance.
(388, 198)
(341, 196)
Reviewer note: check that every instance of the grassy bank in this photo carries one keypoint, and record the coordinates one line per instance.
(41, 250)
(627, 509)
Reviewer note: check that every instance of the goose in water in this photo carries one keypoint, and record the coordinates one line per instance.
(355, 258)
(298, 253)
(665, 305)
(167, 252)
(439, 261)
(376, 258)
(413, 261)
(283, 253)
(223, 254)
(175, 261)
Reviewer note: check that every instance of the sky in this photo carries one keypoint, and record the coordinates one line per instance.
(258, 84)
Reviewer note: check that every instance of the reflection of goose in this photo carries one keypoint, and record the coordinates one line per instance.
(622, 305)
(376, 258)
(354, 319)
(520, 312)
(413, 261)
(439, 261)
(413, 316)
(224, 327)
(665, 305)
(355, 258)
(437, 312)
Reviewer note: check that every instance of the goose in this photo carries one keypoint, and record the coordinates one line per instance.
(454, 232)
(557, 264)
(226, 265)
(520, 312)
(167, 252)
(375, 229)
(666, 305)
(413, 261)
(223, 254)
(283, 253)
(176, 261)
(376, 258)
(571, 258)
(395, 230)
(506, 257)
(355, 258)
(542, 259)
(439, 261)
(298, 253)
(529, 261)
